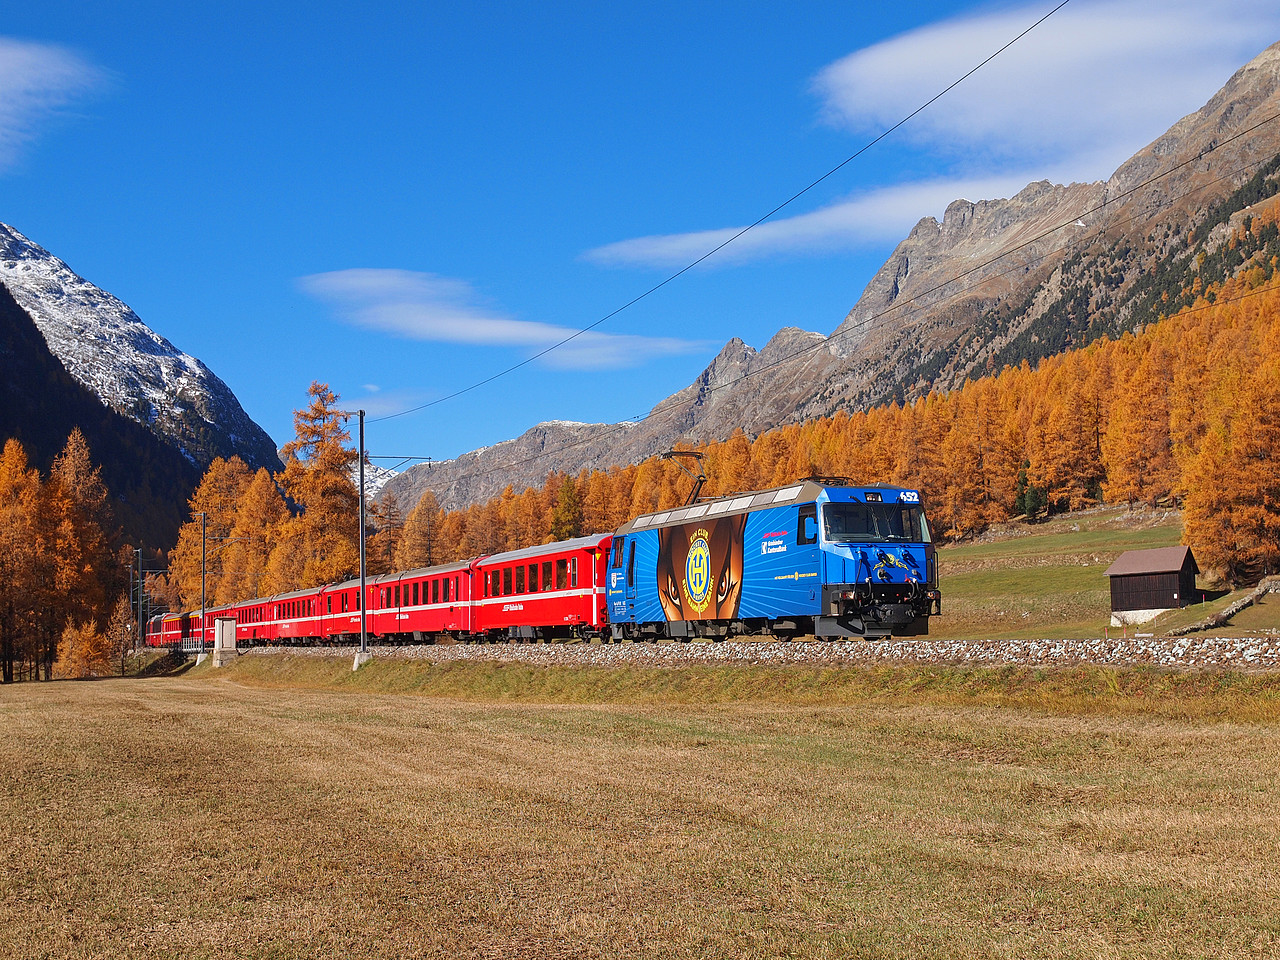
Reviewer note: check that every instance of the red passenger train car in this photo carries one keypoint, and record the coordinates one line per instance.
(422, 605)
(549, 592)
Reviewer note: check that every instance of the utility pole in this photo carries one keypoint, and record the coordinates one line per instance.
(363, 656)
(142, 586)
(364, 633)
(204, 519)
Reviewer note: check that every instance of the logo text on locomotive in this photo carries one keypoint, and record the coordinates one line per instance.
(697, 571)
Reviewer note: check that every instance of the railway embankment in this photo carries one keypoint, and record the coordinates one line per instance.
(1191, 652)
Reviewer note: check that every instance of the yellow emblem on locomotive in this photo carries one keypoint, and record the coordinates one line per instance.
(697, 571)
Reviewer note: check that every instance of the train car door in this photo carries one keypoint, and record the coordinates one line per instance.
(631, 568)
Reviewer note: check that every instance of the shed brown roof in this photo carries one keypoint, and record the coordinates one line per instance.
(1159, 560)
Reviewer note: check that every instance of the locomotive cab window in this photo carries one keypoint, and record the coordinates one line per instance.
(874, 523)
(616, 562)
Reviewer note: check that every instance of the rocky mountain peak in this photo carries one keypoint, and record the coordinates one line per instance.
(996, 281)
(133, 370)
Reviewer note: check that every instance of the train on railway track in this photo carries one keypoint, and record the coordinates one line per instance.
(821, 557)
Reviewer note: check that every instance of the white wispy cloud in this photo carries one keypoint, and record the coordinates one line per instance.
(37, 81)
(425, 306)
(1088, 87)
(877, 216)
(1068, 102)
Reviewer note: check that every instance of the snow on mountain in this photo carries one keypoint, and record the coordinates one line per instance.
(375, 478)
(132, 369)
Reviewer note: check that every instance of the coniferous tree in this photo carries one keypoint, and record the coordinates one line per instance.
(566, 519)
(420, 544)
(258, 516)
(218, 499)
(320, 542)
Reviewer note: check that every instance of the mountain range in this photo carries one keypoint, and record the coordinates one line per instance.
(996, 282)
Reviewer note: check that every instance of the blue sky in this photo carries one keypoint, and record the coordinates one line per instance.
(403, 199)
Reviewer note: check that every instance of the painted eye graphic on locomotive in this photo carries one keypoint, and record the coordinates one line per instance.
(885, 562)
(700, 569)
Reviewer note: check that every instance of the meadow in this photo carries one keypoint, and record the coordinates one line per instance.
(285, 807)
(1046, 579)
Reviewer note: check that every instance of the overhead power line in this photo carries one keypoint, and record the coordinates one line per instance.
(913, 303)
(720, 246)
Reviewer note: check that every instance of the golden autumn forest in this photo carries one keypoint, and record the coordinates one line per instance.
(1187, 411)
(64, 591)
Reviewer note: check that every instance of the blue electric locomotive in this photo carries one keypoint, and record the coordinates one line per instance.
(820, 557)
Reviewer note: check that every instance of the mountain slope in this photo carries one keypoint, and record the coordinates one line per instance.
(40, 404)
(136, 372)
(995, 282)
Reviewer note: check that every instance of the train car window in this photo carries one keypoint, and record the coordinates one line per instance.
(435, 591)
(506, 581)
(631, 565)
(546, 575)
(344, 603)
(329, 603)
(415, 593)
(533, 578)
(456, 590)
(493, 574)
(520, 578)
(573, 571)
(562, 574)
(397, 594)
(616, 563)
(807, 526)
(445, 593)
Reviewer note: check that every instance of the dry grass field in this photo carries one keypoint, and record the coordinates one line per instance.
(252, 813)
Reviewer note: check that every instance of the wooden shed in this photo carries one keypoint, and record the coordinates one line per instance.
(1147, 582)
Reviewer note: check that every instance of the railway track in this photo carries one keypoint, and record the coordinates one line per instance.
(1262, 652)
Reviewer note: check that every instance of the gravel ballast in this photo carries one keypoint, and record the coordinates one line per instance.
(1197, 652)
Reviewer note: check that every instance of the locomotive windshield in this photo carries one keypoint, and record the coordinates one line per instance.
(874, 522)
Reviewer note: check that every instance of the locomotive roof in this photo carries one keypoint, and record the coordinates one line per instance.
(803, 491)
